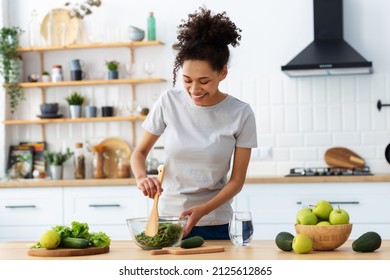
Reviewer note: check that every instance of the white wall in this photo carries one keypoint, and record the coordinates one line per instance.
(299, 118)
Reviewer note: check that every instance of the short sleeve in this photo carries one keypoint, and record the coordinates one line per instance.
(247, 138)
(154, 122)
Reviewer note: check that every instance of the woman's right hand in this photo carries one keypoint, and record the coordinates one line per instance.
(149, 186)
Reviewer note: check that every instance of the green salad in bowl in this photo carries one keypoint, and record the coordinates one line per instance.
(170, 232)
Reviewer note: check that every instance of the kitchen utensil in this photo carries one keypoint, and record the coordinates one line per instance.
(60, 18)
(326, 238)
(136, 34)
(387, 153)
(152, 225)
(67, 252)
(343, 157)
(111, 146)
(170, 232)
(181, 251)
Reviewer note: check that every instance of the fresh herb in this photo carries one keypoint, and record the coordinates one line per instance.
(57, 158)
(75, 99)
(112, 65)
(167, 235)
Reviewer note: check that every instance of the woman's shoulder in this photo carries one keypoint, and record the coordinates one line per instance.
(172, 96)
(238, 104)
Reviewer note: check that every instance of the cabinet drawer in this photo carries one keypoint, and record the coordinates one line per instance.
(37, 206)
(103, 205)
(279, 203)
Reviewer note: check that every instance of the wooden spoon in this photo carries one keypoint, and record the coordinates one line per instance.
(152, 225)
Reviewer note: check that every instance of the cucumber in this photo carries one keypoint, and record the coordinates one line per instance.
(368, 242)
(192, 242)
(73, 242)
(284, 241)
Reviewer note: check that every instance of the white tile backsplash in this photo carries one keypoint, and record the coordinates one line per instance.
(299, 118)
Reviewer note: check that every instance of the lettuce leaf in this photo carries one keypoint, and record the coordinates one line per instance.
(99, 239)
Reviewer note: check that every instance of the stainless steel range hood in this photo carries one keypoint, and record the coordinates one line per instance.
(328, 54)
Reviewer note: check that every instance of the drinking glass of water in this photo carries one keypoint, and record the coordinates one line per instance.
(241, 228)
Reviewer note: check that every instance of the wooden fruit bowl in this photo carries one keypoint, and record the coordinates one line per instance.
(326, 238)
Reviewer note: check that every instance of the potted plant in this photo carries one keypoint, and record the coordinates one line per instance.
(75, 100)
(11, 64)
(45, 77)
(112, 67)
(55, 161)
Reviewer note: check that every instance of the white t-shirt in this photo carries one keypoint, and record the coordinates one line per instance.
(199, 144)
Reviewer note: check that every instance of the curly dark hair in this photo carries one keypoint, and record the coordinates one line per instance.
(205, 36)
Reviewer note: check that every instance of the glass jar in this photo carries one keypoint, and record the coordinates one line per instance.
(98, 165)
(123, 167)
(56, 73)
(79, 162)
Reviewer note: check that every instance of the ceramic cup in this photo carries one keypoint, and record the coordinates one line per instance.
(77, 75)
(107, 111)
(76, 64)
(90, 111)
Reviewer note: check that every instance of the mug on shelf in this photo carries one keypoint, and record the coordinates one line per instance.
(77, 75)
(107, 111)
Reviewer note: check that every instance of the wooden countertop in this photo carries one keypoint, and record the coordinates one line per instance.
(258, 250)
(249, 180)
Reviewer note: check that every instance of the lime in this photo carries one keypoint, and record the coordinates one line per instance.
(50, 239)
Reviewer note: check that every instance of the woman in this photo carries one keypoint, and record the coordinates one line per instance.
(203, 128)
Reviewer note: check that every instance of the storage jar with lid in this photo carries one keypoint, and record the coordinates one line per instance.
(79, 162)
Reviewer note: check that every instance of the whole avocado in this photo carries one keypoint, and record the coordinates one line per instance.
(368, 242)
(284, 241)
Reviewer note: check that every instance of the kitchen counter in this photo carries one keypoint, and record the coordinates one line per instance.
(249, 180)
(258, 250)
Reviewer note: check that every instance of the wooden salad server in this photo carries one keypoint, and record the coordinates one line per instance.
(152, 225)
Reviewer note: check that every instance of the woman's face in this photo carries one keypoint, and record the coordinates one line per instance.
(201, 82)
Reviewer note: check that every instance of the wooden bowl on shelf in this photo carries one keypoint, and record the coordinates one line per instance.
(326, 238)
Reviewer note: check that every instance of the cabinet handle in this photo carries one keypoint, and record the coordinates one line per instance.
(104, 205)
(20, 206)
(337, 202)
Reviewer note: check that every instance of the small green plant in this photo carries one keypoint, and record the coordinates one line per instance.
(75, 99)
(57, 158)
(45, 73)
(112, 65)
(10, 67)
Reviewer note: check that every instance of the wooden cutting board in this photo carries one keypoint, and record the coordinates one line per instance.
(343, 157)
(181, 251)
(67, 252)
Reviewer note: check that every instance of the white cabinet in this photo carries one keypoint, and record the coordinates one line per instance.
(26, 212)
(104, 208)
(274, 206)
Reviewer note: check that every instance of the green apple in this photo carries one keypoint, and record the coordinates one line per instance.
(324, 223)
(302, 244)
(322, 210)
(302, 211)
(307, 218)
(339, 217)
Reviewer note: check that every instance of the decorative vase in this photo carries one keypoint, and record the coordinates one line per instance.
(113, 75)
(56, 172)
(75, 111)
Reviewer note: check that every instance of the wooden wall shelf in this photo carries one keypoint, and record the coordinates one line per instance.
(91, 82)
(77, 120)
(91, 46)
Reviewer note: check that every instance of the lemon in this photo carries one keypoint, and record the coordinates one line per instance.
(50, 239)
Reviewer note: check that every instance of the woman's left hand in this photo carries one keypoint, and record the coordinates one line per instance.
(194, 214)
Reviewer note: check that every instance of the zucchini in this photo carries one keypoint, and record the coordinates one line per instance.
(192, 242)
(73, 242)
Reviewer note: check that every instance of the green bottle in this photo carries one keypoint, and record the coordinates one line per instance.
(151, 27)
